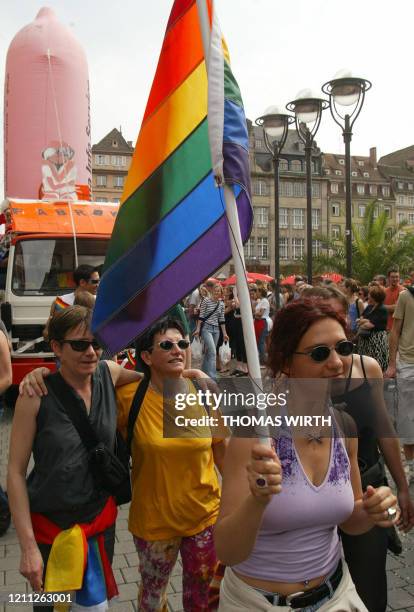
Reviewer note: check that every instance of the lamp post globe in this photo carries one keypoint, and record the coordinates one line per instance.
(308, 108)
(275, 124)
(346, 90)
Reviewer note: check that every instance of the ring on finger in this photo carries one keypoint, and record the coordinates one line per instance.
(261, 481)
(391, 513)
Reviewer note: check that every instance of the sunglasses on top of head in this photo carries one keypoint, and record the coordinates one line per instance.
(82, 345)
(167, 345)
(320, 353)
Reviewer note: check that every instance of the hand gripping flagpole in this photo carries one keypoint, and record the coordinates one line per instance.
(235, 239)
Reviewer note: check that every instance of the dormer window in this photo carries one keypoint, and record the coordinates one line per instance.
(361, 163)
(338, 172)
(354, 173)
(366, 174)
(342, 162)
(115, 143)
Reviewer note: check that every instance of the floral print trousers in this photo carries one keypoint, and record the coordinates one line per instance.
(157, 560)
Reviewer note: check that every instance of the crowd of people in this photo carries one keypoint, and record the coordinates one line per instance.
(370, 314)
(306, 526)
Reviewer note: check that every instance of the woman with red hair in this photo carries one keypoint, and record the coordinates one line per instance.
(277, 527)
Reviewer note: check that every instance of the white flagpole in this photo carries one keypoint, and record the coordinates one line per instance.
(235, 236)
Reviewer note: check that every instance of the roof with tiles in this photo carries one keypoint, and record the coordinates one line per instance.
(107, 143)
(399, 164)
(362, 167)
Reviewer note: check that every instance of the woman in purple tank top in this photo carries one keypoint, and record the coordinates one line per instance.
(277, 527)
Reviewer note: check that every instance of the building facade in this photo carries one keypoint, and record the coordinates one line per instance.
(111, 158)
(398, 168)
(368, 184)
(390, 182)
(260, 248)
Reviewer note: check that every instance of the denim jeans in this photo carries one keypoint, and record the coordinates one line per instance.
(210, 336)
(262, 344)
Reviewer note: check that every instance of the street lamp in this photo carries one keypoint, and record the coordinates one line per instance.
(308, 112)
(347, 92)
(275, 126)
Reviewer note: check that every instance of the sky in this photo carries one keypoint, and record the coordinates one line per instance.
(277, 49)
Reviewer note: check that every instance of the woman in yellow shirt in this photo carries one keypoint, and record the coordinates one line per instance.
(175, 489)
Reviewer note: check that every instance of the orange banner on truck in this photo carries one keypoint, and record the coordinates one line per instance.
(40, 217)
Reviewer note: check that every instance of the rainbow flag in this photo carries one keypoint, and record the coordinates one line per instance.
(171, 231)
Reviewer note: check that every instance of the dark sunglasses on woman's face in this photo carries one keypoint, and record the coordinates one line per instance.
(344, 348)
(82, 345)
(167, 345)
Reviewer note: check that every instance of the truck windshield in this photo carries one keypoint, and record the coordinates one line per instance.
(45, 266)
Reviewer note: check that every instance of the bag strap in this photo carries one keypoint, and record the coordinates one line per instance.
(75, 409)
(135, 408)
(346, 424)
(197, 387)
(211, 313)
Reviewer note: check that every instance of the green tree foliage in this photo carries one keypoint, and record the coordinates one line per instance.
(375, 247)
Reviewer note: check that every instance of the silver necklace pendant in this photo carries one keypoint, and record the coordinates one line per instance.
(313, 437)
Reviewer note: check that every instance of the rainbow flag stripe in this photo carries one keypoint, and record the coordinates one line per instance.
(171, 230)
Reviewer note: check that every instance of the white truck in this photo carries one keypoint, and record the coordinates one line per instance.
(42, 244)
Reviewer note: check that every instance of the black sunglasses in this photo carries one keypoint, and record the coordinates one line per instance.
(82, 345)
(94, 281)
(344, 348)
(167, 345)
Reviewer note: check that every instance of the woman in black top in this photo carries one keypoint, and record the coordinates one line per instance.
(61, 491)
(372, 335)
(366, 554)
(361, 396)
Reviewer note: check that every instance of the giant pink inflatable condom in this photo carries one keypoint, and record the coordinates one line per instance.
(47, 149)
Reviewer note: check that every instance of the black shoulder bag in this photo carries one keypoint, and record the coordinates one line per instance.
(111, 470)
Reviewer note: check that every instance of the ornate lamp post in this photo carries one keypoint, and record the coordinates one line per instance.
(308, 112)
(275, 128)
(346, 98)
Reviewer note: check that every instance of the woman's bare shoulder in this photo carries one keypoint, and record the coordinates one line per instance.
(369, 364)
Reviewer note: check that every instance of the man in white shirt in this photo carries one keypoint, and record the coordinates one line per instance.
(86, 278)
